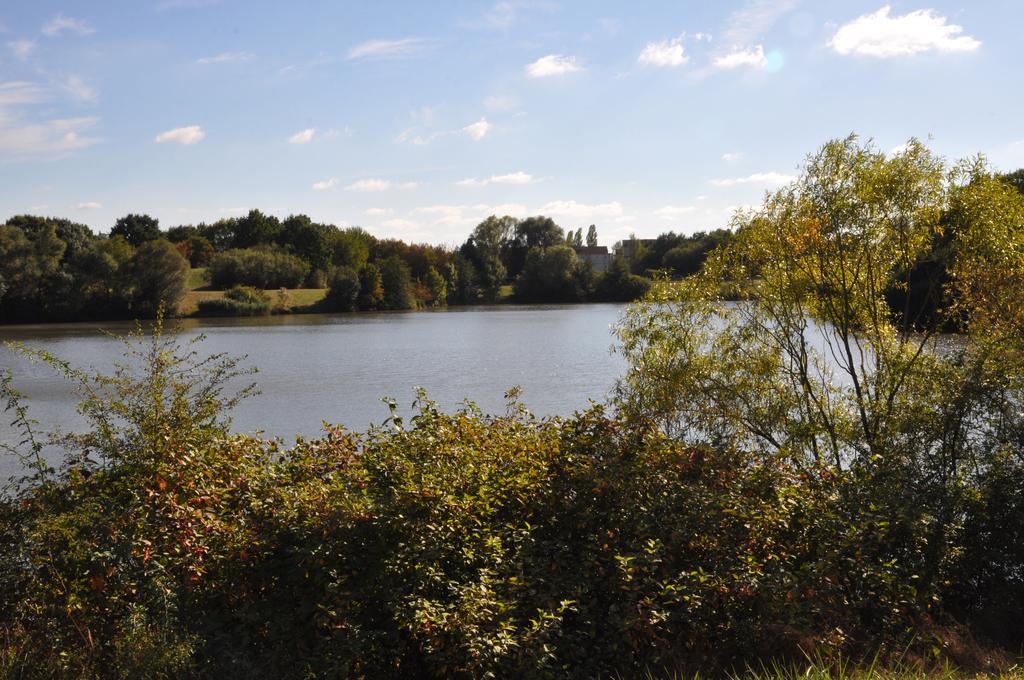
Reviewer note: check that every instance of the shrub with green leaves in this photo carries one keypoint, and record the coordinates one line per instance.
(237, 301)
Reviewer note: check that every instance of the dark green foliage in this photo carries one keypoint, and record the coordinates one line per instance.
(484, 248)
(258, 267)
(533, 232)
(438, 288)
(677, 254)
(155, 278)
(137, 229)
(343, 294)
(617, 284)
(371, 287)
(553, 275)
(199, 251)
(592, 236)
(237, 301)
(311, 241)
(255, 229)
(396, 281)
(1015, 178)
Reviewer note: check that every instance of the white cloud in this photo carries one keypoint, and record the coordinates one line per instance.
(664, 53)
(702, 37)
(477, 130)
(671, 212)
(552, 65)
(467, 215)
(88, 205)
(21, 138)
(399, 223)
(22, 49)
(225, 57)
(882, 35)
(325, 184)
(582, 211)
(753, 56)
(760, 178)
(303, 137)
(386, 49)
(79, 89)
(60, 23)
(500, 103)
(898, 150)
(510, 178)
(748, 24)
(189, 134)
(731, 156)
(377, 212)
(372, 185)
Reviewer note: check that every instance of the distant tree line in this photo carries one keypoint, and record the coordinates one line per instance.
(54, 269)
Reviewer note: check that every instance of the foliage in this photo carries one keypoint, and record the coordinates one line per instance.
(552, 275)
(483, 249)
(237, 301)
(371, 288)
(616, 284)
(438, 288)
(343, 295)
(137, 229)
(813, 367)
(258, 267)
(397, 282)
(155, 277)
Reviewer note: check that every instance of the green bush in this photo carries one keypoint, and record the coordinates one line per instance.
(261, 267)
(446, 545)
(237, 301)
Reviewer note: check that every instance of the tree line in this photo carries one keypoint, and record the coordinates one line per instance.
(53, 269)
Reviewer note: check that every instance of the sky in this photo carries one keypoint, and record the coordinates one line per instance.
(416, 120)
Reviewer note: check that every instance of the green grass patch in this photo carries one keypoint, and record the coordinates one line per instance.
(198, 278)
(298, 300)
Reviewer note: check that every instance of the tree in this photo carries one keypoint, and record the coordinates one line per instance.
(483, 249)
(592, 236)
(371, 287)
(813, 370)
(577, 239)
(155, 275)
(137, 229)
(396, 280)
(343, 294)
(551, 274)
(352, 248)
(200, 251)
(617, 284)
(438, 288)
(313, 242)
(533, 232)
(255, 229)
(1015, 178)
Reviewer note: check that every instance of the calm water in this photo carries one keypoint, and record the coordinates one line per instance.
(337, 367)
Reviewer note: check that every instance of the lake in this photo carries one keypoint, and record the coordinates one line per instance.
(337, 367)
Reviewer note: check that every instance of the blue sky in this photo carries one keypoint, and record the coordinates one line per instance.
(415, 120)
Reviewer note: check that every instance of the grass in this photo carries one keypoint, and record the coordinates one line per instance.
(300, 300)
(197, 278)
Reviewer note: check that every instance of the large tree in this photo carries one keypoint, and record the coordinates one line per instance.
(812, 367)
(137, 229)
(483, 249)
(533, 232)
(154, 276)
